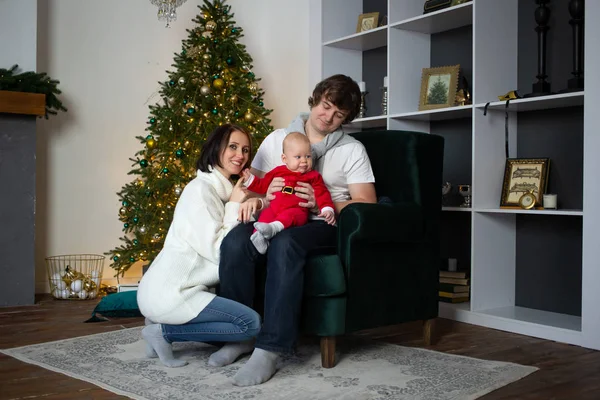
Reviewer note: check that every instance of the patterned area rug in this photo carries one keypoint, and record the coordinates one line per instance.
(366, 370)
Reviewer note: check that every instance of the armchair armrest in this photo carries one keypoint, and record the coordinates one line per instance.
(380, 223)
(384, 247)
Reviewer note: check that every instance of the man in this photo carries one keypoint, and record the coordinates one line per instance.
(346, 170)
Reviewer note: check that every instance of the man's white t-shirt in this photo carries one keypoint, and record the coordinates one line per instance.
(340, 166)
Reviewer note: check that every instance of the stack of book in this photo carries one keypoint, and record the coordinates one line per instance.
(454, 286)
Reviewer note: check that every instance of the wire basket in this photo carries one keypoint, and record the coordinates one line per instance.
(75, 277)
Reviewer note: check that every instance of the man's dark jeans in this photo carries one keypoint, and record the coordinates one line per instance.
(286, 257)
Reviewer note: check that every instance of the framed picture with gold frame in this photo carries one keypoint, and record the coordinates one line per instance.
(522, 176)
(438, 87)
(367, 22)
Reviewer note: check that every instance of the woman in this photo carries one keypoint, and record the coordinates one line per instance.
(174, 294)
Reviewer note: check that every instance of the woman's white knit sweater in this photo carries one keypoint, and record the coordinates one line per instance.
(175, 288)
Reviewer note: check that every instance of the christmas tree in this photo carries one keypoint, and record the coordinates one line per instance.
(212, 84)
(438, 94)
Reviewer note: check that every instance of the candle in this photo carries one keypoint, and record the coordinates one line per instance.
(385, 81)
(550, 201)
(362, 86)
(452, 264)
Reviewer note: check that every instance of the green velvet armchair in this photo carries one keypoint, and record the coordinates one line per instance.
(385, 269)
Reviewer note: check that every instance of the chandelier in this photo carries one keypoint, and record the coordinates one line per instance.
(167, 9)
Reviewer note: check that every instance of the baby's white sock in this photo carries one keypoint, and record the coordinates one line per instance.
(259, 241)
(269, 230)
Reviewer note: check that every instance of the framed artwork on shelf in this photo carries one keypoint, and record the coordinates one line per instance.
(438, 87)
(367, 22)
(523, 176)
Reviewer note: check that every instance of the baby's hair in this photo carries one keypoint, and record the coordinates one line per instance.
(293, 137)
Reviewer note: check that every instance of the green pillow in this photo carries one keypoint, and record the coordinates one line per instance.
(123, 304)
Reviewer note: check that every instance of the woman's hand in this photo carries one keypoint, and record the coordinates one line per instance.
(305, 191)
(239, 193)
(248, 209)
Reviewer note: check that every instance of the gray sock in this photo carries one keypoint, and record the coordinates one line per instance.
(154, 337)
(260, 368)
(259, 241)
(150, 353)
(230, 352)
(269, 230)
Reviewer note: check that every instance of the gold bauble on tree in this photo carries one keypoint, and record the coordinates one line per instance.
(248, 116)
(151, 143)
(210, 25)
(218, 83)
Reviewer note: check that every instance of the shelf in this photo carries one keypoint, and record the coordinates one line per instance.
(538, 103)
(520, 211)
(464, 209)
(22, 103)
(438, 114)
(537, 317)
(439, 21)
(362, 41)
(379, 121)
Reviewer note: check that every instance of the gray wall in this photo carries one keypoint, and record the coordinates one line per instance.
(549, 247)
(17, 210)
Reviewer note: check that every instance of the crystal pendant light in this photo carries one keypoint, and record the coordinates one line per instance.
(167, 9)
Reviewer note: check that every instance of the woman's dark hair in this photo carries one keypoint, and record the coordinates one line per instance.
(210, 156)
(342, 91)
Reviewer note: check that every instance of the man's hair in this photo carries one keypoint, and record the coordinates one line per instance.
(210, 156)
(294, 136)
(342, 91)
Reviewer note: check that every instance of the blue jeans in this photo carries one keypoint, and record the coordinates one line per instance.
(222, 320)
(285, 260)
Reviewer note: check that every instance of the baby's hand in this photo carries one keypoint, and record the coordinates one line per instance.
(329, 216)
(246, 174)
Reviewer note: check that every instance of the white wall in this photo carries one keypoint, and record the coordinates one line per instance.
(18, 34)
(108, 56)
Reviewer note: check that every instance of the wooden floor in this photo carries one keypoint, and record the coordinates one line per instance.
(566, 372)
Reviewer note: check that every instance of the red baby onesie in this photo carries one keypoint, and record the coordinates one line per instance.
(284, 208)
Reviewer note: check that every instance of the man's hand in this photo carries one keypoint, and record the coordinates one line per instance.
(276, 185)
(248, 208)
(306, 192)
(329, 216)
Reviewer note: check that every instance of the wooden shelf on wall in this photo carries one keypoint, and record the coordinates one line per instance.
(22, 103)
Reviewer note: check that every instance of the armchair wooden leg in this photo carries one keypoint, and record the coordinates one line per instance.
(428, 331)
(328, 351)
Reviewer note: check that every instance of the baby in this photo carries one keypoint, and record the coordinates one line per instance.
(284, 211)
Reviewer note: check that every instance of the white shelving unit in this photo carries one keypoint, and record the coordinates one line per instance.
(336, 48)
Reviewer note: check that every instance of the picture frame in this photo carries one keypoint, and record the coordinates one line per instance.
(522, 175)
(438, 87)
(367, 22)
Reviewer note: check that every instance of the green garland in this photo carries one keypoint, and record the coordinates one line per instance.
(32, 82)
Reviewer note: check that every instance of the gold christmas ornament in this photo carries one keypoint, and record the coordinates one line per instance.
(218, 83)
(253, 87)
(150, 143)
(205, 90)
(210, 25)
(249, 116)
